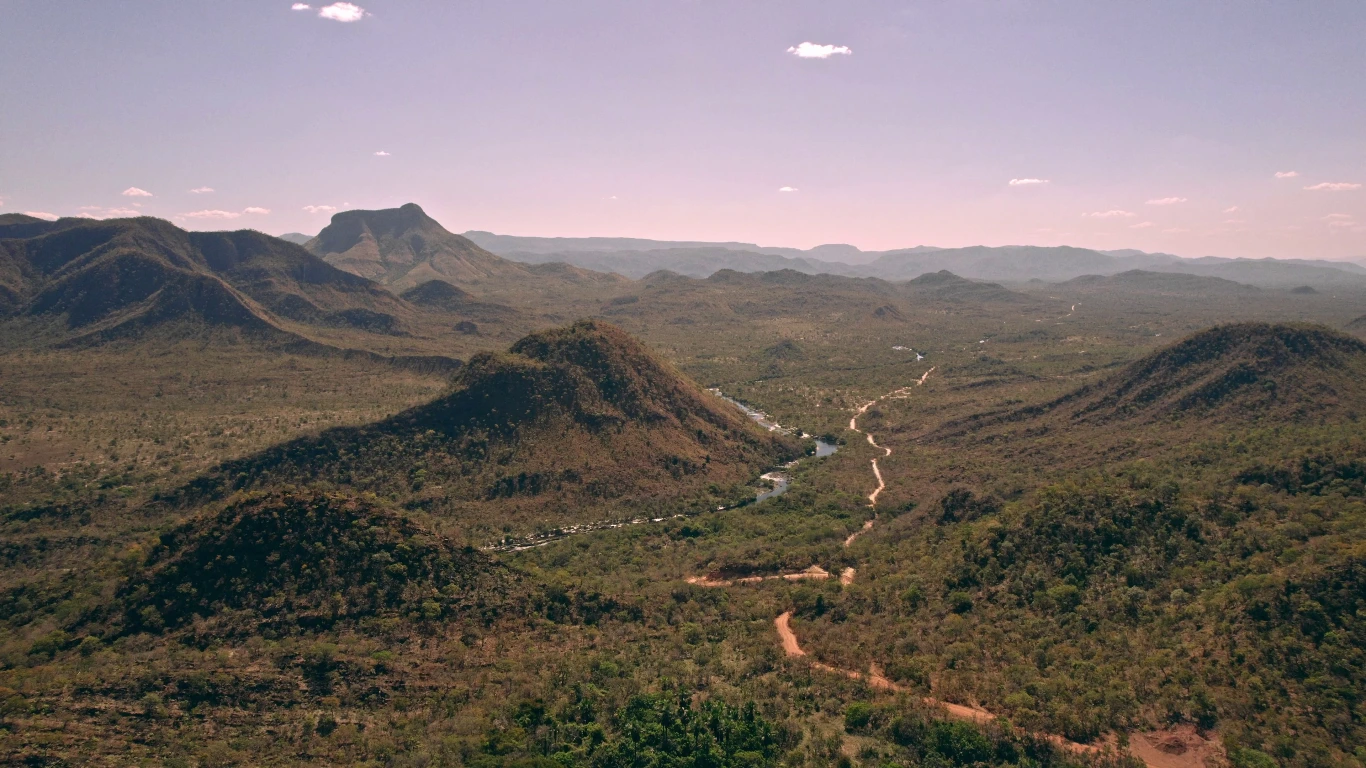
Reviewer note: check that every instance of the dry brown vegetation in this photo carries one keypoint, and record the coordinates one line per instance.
(1106, 565)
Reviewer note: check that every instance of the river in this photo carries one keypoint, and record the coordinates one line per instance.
(779, 478)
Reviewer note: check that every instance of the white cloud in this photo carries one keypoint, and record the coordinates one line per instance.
(1027, 182)
(1334, 186)
(817, 51)
(320, 208)
(1231, 209)
(42, 215)
(98, 212)
(1339, 224)
(787, 189)
(300, 7)
(1287, 174)
(1142, 225)
(135, 192)
(342, 12)
(381, 153)
(1110, 214)
(1167, 201)
(217, 214)
(1339, 217)
(201, 190)
(211, 214)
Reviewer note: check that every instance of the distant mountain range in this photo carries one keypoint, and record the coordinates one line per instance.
(637, 257)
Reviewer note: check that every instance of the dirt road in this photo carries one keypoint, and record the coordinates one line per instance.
(875, 679)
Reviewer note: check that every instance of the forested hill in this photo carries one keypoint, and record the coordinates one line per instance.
(571, 424)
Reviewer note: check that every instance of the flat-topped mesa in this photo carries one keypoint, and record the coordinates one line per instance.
(405, 247)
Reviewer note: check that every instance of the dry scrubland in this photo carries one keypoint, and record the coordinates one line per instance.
(223, 545)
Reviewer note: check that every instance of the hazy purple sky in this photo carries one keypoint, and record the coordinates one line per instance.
(684, 118)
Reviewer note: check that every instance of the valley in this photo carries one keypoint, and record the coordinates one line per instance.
(389, 498)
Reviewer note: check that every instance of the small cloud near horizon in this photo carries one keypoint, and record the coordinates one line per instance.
(1110, 214)
(217, 214)
(1287, 174)
(1166, 201)
(381, 153)
(42, 215)
(99, 212)
(214, 214)
(135, 192)
(345, 12)
(1231, 209)
(1142, 225)
(1334, 186)
(320, 208)
(787, 189)
(810, 50)
(300, 7)
(1027, 182)
(201, 190)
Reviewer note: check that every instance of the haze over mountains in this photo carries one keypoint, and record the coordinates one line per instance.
(636, 258)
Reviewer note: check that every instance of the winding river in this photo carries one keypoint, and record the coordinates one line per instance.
(778, 478)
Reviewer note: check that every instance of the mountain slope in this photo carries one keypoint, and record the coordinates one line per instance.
(984, 263)
(280, 561)
(571, 249)
(946, 286)
(572, 424)
(441, 296)
(1238, 375)
(1161, 284)
(77, 281)
(405, 247)
(697, 262)
(1248, 371)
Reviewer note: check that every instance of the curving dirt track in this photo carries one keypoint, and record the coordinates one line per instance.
(1153, 749)
(1173, 748)
(895, 394)
(814, 572)
(875, 679)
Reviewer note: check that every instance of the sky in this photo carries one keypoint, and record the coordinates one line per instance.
(1220, 127)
